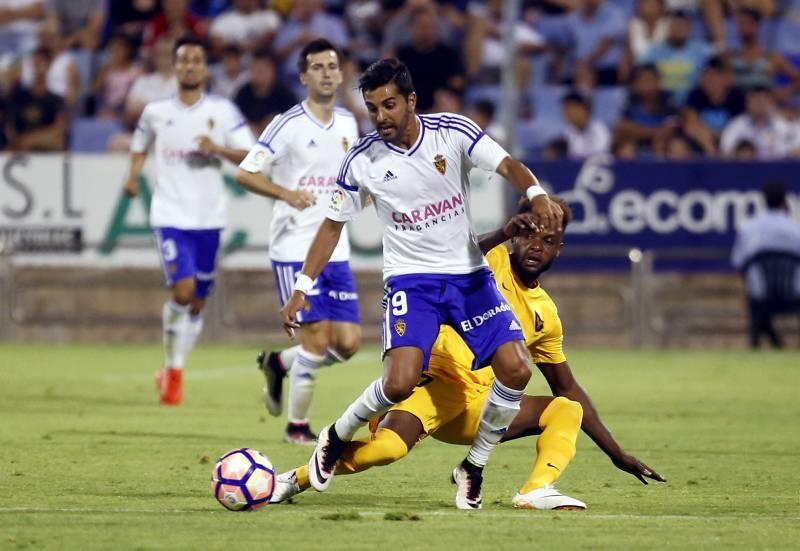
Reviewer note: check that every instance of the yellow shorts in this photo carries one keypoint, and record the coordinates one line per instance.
(448, 411)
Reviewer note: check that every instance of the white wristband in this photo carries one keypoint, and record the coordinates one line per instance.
(303, 283)
(535, 191)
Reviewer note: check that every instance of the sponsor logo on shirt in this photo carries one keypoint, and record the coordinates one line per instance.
(337, 200)
(317, 181)
(476, 321)
(389, 176)
(430, 215)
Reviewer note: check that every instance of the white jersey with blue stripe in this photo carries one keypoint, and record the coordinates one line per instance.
(421, 194)
(190, 189)
(300, 153)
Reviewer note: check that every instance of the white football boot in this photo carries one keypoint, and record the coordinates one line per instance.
(286, 487)
(322, 464)
(468, 489)
(547, 498)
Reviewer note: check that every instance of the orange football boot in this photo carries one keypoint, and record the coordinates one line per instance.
(170, 386)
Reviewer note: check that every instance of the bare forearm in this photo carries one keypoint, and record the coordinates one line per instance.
(235, 156)
(259, 184)
(517, 173)
(322, 247)
(592, 424)
(489, 241)
(137, 163)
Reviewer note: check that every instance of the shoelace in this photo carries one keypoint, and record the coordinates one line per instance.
(327, 463)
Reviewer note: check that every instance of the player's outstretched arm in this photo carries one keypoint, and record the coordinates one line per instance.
(317, 257)
(513, 227)
(547, 214)
(137, 163)
(259, 184)
(562, 383)
(231, 154)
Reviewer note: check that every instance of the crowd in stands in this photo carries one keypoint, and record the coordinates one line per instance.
(674, 79)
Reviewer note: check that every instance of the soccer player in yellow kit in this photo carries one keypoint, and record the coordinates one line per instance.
(447, 402)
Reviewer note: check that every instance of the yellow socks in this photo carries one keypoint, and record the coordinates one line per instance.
(555, 448)
(382, 448)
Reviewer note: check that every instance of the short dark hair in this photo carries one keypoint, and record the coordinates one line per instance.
(680, 14)
(264, 54)
(645, 68)
(717, 62)
(576, 97)
(190, 40)
(231, 49)
(385, 71)
(775, 194)
(314, 47)
(524, 206)
(485, 107)
(752, 13)
(44, 52)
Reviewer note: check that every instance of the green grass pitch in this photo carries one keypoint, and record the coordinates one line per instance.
(88, 460)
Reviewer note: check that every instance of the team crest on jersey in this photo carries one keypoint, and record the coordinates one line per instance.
(345, 144)
(211, 124)
(440, 163)
(400, 327)
(538, 322)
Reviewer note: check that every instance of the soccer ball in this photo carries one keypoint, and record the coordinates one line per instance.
(243, 480)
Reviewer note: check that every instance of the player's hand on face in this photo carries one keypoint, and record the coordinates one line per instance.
(302, 199)
(519, 223)
(132, 187)
(205, 145)
(289, 312)
(547, 213)
(632, 465)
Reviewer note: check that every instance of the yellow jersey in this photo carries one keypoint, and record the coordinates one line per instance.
(452, 359)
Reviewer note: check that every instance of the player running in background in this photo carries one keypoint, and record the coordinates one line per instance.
(303, 149)
(191, 134)
(415, 170)
(447, 402)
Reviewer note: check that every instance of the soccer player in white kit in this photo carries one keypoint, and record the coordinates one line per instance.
(303, 149)
(190, 133)
(415, 170)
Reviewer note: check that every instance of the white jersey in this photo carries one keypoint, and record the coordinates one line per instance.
(302, 154)
(190, 190)
(421, 194)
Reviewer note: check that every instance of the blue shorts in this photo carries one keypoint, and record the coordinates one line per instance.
(333, 298)
(188, 253)
(416, 305)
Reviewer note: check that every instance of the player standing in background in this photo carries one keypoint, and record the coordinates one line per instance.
(415, 170)
(303, 149)
(192, 133)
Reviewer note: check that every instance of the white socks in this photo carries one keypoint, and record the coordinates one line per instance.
(500, 408)
(181, 331)
(287, 357)
(370, 404)
(174, 319)
(302, 376)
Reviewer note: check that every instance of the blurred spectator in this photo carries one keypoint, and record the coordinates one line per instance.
(597, 32)
(745, 150)
(230, 73)
(116, 77)
(175, 22)
(625, 149)
(80, 22)
(246, 24)
(763, 125)
(585, 136)
(649, 113)
(307, 21)
(715, 102)
(396, 27)
(483, 113)
(447, 100)
(556, 150)
(19, 21)
(158, 84)
(263, 96)
(712, 13)
(679, 148)
(361, 17)
(63, 78)
(35, 118)
(351, 97)
(753, 65)
(129, 17)
(773, 283)
(679, 58)
(433, 64)
(648, 27)
(485, 52)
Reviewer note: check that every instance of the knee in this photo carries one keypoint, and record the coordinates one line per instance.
(347, 343)
(183, 294)
(398, 387)
(568, 409)
(515, 374)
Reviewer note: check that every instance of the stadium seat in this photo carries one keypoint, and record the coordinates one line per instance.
(547, 102)
(608, 104)
(89, 135)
